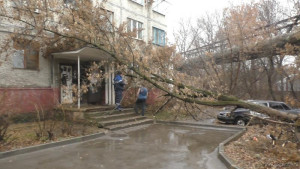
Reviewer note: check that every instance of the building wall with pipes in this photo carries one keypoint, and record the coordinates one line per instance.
(24, 88)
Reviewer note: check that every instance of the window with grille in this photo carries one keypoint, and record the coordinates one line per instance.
(26, 56)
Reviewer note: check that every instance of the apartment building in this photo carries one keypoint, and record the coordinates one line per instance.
(149, 20)
(28, 80)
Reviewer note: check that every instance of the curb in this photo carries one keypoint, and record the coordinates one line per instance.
(142, 122)
(238, 128)
(49, 145)
(55, 144)
(221, 153)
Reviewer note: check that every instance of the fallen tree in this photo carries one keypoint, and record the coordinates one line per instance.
(266, 48)
(79, 25)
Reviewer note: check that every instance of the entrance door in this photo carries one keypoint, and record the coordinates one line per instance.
(66, 94)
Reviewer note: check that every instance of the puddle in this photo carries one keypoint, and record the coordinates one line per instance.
(118, 135)
(152, 147)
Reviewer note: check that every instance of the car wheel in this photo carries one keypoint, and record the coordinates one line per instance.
(240, 122)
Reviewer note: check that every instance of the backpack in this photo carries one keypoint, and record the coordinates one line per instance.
(143, 93)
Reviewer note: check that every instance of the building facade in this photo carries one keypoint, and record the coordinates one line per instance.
(138, 14)
(29, 81)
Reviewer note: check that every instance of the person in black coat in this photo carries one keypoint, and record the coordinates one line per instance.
(119, 85)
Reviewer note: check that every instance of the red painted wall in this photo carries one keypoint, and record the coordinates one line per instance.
(22, 100)
(130, 96)
(153, 96)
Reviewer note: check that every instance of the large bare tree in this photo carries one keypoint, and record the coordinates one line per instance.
(58, 27)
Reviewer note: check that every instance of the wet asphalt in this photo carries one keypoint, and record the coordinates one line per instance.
(158, 146)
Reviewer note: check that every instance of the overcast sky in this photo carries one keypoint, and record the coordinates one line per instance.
(184, 9)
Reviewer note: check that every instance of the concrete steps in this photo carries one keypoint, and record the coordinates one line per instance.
(115, 120)
(84, 108)
(100, 108)
(93, 114)
(113, 116)
(131, 124)
(121, 121)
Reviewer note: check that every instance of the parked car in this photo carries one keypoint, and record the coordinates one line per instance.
(241, 116)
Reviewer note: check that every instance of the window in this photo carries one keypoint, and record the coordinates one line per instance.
(26, 56)
(158, 36)
(262, 104)
(139, 1)
(19, 3)
(135, 26)
(286, 107)
(24, 3)
(69, 2)
(160, 6)
(75, 4)
(107, 17)
(276, 106)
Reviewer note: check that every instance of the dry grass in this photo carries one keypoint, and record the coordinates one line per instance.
(254, 150)
(24, 134)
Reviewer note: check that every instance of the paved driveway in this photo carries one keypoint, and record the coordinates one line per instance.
(158, 146)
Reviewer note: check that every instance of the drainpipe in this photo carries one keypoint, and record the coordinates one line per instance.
(111, 85)
(106, 85)
(149, 10)
(52, 72)
(52, 79)
(78, 85)
(121, 12)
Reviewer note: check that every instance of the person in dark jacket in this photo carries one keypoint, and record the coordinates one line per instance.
(119, 85)
(140, 103)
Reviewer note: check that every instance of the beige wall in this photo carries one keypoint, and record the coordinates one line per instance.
(123, 9)
(18, 77)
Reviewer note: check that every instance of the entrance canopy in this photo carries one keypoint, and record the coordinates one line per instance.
(85, 54)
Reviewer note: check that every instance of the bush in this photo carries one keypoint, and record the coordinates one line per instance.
(23, 117)
(4, 124)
